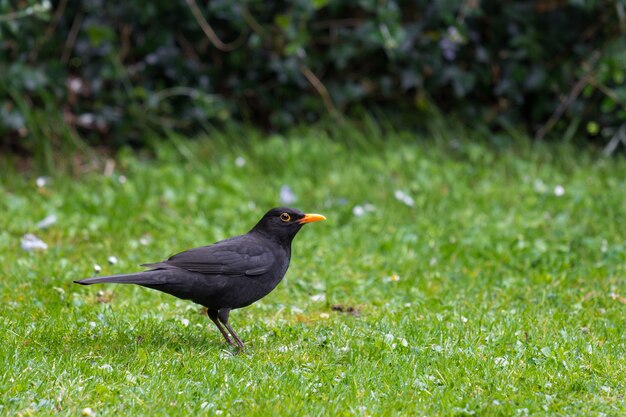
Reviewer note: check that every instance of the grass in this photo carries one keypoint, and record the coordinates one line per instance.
(490, 295)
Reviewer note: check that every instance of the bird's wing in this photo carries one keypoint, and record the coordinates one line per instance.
(229, 257)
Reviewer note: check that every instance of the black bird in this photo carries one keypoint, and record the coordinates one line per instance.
(229, 274)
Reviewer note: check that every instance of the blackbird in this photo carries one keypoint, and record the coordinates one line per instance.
(229, 274)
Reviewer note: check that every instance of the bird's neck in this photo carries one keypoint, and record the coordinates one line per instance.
(283, 240)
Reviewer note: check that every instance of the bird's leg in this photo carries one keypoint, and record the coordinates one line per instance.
(222, 315)
(213, 316)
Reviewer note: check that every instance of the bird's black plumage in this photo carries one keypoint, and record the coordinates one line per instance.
(229, 274)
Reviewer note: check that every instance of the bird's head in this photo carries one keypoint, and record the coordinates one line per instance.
(282, 223)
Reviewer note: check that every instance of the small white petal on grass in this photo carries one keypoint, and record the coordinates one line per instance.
(97, 268)
(404, 342)
(339, 377)
(324, 315)
(500, 361)
(318, 297)
(392, 278)
(465, 411)
(407, 305)
(41, 182)
(92, 325)
(287, 196)
(31, 242)
(87, 411)
(618, 297)
(559, 190)
(463, 319)
(358, 211)
(547, 352)
(106, 367)
(404, 198)
(112, 260)
(283, 349)
(184, 322)
(389, 338)
(47, 221)
(240, 161)
(145, 240)
(121, 179)
(296, 310)
(369, 207)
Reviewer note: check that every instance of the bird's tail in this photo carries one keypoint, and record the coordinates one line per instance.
(140, 278)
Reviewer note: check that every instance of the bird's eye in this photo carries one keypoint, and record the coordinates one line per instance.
(285, 217)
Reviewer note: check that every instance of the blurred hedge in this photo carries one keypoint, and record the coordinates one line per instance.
(111, 71)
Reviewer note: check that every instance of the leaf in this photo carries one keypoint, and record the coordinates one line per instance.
(99, 34)
(593, 128)
(283, 21)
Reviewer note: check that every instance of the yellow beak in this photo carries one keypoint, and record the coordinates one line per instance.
(309, 218)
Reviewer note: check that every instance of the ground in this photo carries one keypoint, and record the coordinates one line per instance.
(452, 277)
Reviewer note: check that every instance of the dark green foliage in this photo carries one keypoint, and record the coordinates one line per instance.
(112, 71)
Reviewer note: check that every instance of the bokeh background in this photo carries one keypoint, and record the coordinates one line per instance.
(468, 155)
(114, 73)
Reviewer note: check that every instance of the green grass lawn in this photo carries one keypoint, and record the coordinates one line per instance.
(474, 279)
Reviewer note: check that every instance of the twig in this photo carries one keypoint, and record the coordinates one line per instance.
(210, 33)
(177, 91)
(253, 23)
(58, 13)
(565, 103)
(71, 38)
(320, 88)
(187, 47)
(608, 92)
(621, 16)
(126, 31)
(618, 137)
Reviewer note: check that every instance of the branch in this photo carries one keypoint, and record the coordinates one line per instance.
(252, 22)
(608, 92)
(210, 33)
(71, 38)
(619, 137)
(565, 103)
(41, 41)
(56, 18)
(321, 89)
